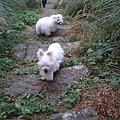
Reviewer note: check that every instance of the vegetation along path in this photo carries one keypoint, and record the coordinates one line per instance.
(72, 95)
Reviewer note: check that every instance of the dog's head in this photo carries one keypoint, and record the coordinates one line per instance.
(58, 18)
(45, 62)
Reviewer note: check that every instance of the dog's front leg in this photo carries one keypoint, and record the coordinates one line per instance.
(43, 78)
(42, 75)
(51, 76)
(47, 33)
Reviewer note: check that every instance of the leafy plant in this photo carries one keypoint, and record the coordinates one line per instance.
(25, 18)
(68, 64)
(70, 95)
(6, 64)
(6, 45)
(6, 107)
(25, 104)
(15, 15)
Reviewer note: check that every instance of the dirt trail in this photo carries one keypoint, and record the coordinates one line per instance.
(24, 78)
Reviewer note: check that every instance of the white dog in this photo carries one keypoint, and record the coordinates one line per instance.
(46, 25)
(49, 61)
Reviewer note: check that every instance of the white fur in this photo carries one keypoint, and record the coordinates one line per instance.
(46, 25)
(49, 61)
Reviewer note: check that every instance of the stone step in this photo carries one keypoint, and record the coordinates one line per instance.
(28, 52)
(32, 84)
(59, 35)
(88, 113)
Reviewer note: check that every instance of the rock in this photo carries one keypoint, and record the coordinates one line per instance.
(32, 84)
(31, 52)
(28, 52)
(84, 114)
(63, 116)
(87, 114)
(19, 52)
(27, 85)
(68, 116)
(69, 74)
(60, 33)
(57, 116)
(9, 82)
(30, 33)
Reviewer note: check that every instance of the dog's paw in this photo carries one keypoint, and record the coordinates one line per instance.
(43, 78)
(53, 30)
(47, 33)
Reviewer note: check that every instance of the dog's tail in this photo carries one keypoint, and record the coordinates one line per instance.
(38, 28)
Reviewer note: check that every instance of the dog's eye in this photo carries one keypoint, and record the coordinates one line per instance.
(47, 65)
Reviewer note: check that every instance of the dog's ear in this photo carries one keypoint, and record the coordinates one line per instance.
(40, 53)
(49, 53)
(54, 16)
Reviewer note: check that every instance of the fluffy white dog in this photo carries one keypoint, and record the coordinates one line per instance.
(46, 25)
(49, 61)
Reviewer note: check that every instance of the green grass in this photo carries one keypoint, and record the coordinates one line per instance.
(16, 15)
(101, 48)
(7, 43)
(73, 7)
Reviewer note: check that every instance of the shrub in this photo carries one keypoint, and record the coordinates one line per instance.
(14, 16)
